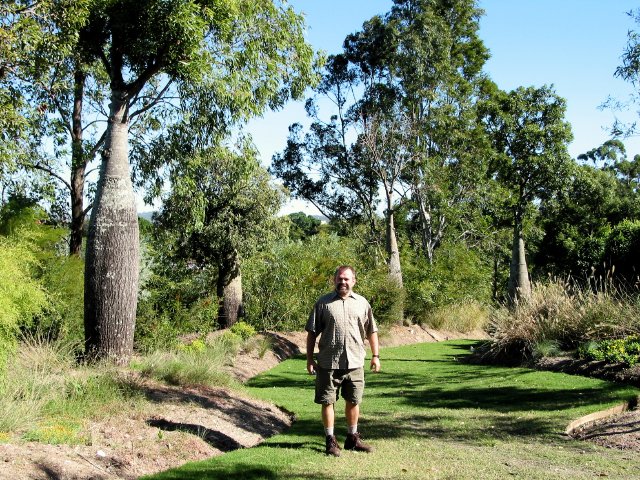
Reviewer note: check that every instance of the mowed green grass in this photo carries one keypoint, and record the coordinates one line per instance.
(429, 415)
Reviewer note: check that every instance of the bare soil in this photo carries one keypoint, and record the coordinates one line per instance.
(190, 424)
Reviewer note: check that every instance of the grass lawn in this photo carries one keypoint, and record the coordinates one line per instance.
(430, 416)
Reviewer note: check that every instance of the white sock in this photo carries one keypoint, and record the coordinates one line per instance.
(328, 431)
(353, 428)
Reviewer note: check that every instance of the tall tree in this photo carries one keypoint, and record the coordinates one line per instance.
(221, 208)
(253, 51)
(358, 153)
(530, 136)
(49, 74)
(436, 69)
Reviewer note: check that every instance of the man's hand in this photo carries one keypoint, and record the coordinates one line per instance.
(375, 364)
(312, 366)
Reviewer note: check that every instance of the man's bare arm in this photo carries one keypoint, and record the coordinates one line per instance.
(311, 345)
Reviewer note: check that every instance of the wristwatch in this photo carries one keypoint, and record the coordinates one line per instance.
(376, 356)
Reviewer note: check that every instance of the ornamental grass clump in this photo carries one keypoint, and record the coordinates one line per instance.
(561, 314)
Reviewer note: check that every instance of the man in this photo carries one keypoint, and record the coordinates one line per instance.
(343, 319)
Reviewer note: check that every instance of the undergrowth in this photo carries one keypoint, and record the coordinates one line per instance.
(560, 317)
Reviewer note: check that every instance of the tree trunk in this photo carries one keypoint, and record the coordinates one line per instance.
(78, 167)
(111, 271)
(519, 285)
(229, 290)
(393, 253)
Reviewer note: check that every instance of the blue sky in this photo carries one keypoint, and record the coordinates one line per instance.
(574, 45)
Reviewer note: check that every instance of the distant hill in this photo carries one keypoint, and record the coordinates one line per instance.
(146, 215)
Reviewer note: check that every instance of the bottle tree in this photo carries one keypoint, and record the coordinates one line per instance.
(529, 135)
(253, 56)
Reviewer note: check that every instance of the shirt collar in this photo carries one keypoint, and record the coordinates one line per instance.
(337, 296)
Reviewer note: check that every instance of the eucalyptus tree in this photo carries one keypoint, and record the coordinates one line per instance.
(436, 68)
(343, 163)
(251, 53)
(529, 134)
(320, 165)
(52, 80)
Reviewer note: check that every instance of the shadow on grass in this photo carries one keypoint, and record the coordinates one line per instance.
(423, 392)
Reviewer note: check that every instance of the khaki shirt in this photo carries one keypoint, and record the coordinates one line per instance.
(343, 325)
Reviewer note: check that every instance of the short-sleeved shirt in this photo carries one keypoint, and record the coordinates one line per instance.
(343, 325)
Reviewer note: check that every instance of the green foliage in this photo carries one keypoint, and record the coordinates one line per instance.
(466, 316)
(282, 284)
(622, 350)
(457, 276)
(622, 251)
(170, 310)
(243, 330)
(386, 297)
(45, 295)
(200, 363)
(303, 226)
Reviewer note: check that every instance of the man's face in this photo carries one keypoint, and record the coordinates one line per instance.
(344, 282)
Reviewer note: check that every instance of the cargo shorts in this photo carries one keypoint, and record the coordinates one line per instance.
(330, 384)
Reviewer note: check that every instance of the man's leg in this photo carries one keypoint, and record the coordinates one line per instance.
(328, 416)
(328, 420)
(351, 413)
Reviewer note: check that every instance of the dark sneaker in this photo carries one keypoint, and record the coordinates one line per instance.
(354, 442)
(332, 446)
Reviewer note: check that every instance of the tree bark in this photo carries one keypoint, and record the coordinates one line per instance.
(111, 271)
(519, 284)
(229, 290)
(393, 253)
(78, 166)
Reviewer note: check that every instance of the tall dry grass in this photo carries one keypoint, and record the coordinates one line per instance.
(464, 317)
(562, 315)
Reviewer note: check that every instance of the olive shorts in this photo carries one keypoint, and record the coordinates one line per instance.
(331, 383)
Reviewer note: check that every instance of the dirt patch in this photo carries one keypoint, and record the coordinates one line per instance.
(190, 424)
(620, 431)
(185, 424)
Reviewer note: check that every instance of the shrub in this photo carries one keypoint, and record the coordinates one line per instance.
(282, 283)
(21, 296)
(194, 365)
(621, 250)
(459, 317)
(169, 310)
(243, 330)
(386, 297)
(41, 288)
(625, 350)
(458, 276)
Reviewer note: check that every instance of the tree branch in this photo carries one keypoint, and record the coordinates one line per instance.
(43, 168)
(153, 102)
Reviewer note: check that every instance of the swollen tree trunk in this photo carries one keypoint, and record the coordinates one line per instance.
(393, 253)
(229, 291)
(519, 285)
(111, 272)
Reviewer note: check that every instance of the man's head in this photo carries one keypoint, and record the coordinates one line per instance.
(344, 280)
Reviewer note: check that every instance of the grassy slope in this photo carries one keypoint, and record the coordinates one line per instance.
(430, 416)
